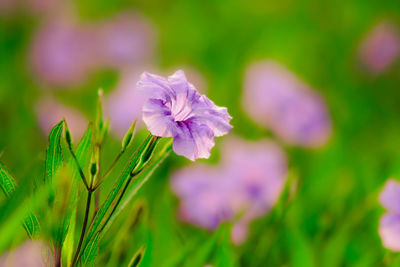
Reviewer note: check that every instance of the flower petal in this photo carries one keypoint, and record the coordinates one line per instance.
(217, 118)
(389, 230)
(390, 196)
(157, 118)
(193, 141)
(155, 87)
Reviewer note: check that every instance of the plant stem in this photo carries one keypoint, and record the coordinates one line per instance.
(81, 173)
(113, 164)
(85, 221)
(117, 203)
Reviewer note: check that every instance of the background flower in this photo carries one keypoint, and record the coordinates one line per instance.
(51, 112)
(389, 227)
(381, 47)
(277, 99)
(244, 186)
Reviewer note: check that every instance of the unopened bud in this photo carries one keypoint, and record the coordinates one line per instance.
(99, 112)
(129, 136)
(68, 136)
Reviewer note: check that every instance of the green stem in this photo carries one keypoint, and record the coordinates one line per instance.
(81, 173)
(113, 164)
(116, 204)
(85, 221)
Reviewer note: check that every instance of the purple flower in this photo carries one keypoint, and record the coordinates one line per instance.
(389, 227)
(203, 196)
(61, 53)
(244, 186)
(50, 112)
(125, 103)
(380, 48)
(30, 253)
(124, 40)
(277, 99)
(175, 109)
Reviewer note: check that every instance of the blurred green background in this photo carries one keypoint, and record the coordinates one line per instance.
(333, 218)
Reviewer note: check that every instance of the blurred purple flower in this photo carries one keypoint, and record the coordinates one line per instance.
(125, 40)
(389, 227)
(275, 98)
(50, 112)
(244, 186)
(30, 253)
(65, 52)
(380, 48)
(125, 103)
(175, 109)
(203, 196)
(61, 53)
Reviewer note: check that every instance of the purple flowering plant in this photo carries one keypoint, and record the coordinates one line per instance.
(177, 116)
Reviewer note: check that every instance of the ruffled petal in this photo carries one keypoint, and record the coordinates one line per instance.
(389, 230)
(158, 119)
(193, 141)
(217, 118)
(390, 196)
(155, 87)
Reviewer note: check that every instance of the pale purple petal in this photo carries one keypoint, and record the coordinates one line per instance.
(158, 118)
(193, 141)
(389, 230)
(155, 87)
(217, 118)
(390, 196)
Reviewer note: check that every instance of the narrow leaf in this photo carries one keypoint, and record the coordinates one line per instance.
(9, 186)
(54, 152)
(132, 163)
(91, 251)
(68, 228)
(140, 181)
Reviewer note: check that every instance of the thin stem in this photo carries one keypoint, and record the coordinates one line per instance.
(117, 203)
(81, 173)
(113, 164)
(85, 221)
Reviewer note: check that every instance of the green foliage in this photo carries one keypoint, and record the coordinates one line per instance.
(69, 224)
(9, 186)
(54, 157)
(137, 258)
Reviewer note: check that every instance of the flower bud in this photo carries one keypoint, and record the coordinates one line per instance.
(128, 136)
(68, 136)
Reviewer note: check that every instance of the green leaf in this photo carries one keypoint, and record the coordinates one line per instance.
(8, 229)
(68, 228)
(91, 251)
(9, 186)
(202, 253)
(131, 165)
(139, 182)
(137, 258)
(7, 182)
(54, 158)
